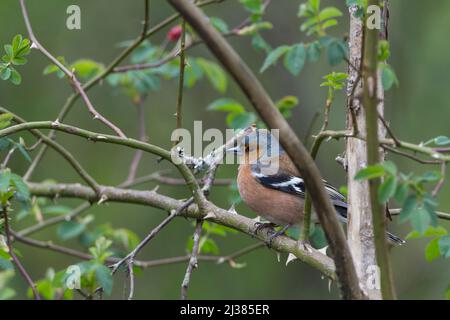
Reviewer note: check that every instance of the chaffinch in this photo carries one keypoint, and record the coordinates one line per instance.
(270, 184)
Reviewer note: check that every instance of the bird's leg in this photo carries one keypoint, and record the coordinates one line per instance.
(282, 231)
(263, 225)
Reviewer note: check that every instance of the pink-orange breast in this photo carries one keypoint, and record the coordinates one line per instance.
(276, 206)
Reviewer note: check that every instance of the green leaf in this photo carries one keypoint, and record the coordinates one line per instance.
(16, 78)
(86, 68)
(5, 178)
(337, 52)
(5, 120)
(295, 59)
(215, 74)
(219, 24)
(420, 219)
(209, 246)
(70, 229)
(226, 105)
(5, 73)
(9, 52)
(314, 50)
(19, 61)
(286, 104)
(430, 232)
(401, 193)
(442, 140)
(388, 76)
(444, 246)
(387, 189)
(409, 207)
(16, 43)
(390, 168)
(329, 12)
(20, 187)
(242, 120)
(104, 277)
(273, 57)
(432, 250)
(371, 172)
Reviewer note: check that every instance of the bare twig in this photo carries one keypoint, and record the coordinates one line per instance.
(143, 137)
(441, 181)
(130, 257)
(193, 263)
(14, 257)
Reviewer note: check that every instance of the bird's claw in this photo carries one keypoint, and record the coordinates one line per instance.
(263, 225)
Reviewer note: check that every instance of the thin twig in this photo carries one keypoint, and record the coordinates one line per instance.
(14, 257)
(193, 262)
(130, 257)
(441, 182)
(143, 137)
(389, 130)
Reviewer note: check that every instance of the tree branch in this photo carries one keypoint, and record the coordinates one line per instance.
(370, 102)
(215, 214)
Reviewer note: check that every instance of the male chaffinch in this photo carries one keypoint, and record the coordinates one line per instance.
(270, 184)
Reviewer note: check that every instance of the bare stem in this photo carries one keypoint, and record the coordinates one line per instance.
(193, 262)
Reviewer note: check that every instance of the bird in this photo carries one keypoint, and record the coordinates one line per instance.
(270, 184)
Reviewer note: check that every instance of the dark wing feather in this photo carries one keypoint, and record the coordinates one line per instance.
(296, 186)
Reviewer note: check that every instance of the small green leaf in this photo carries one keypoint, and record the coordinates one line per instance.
(16, 78)
(5, 120)
(20, 187)
(329, 12)
(442, 140)
(387, 189)
(5, 178)
(388, 76)
(401, 193)
(227, 105)
(432, 250)
(295, 59)
(70, 229)
(215, 74)
(242, 120)
(104, 277)
(219, 24)
(371, 172)
(337, 52)
(444, 246)
(5, 73)
(273, 57)
(314, 50)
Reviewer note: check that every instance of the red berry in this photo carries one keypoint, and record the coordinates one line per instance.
(174, 33)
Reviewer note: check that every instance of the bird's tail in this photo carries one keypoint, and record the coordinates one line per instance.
(393, 239)
(341, 210)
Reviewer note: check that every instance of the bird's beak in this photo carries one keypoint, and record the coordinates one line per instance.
(235, 150)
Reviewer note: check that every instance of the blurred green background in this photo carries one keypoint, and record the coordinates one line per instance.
(417, 110)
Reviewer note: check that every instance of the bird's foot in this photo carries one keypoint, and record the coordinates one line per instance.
(263, 225)
(274, 235)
